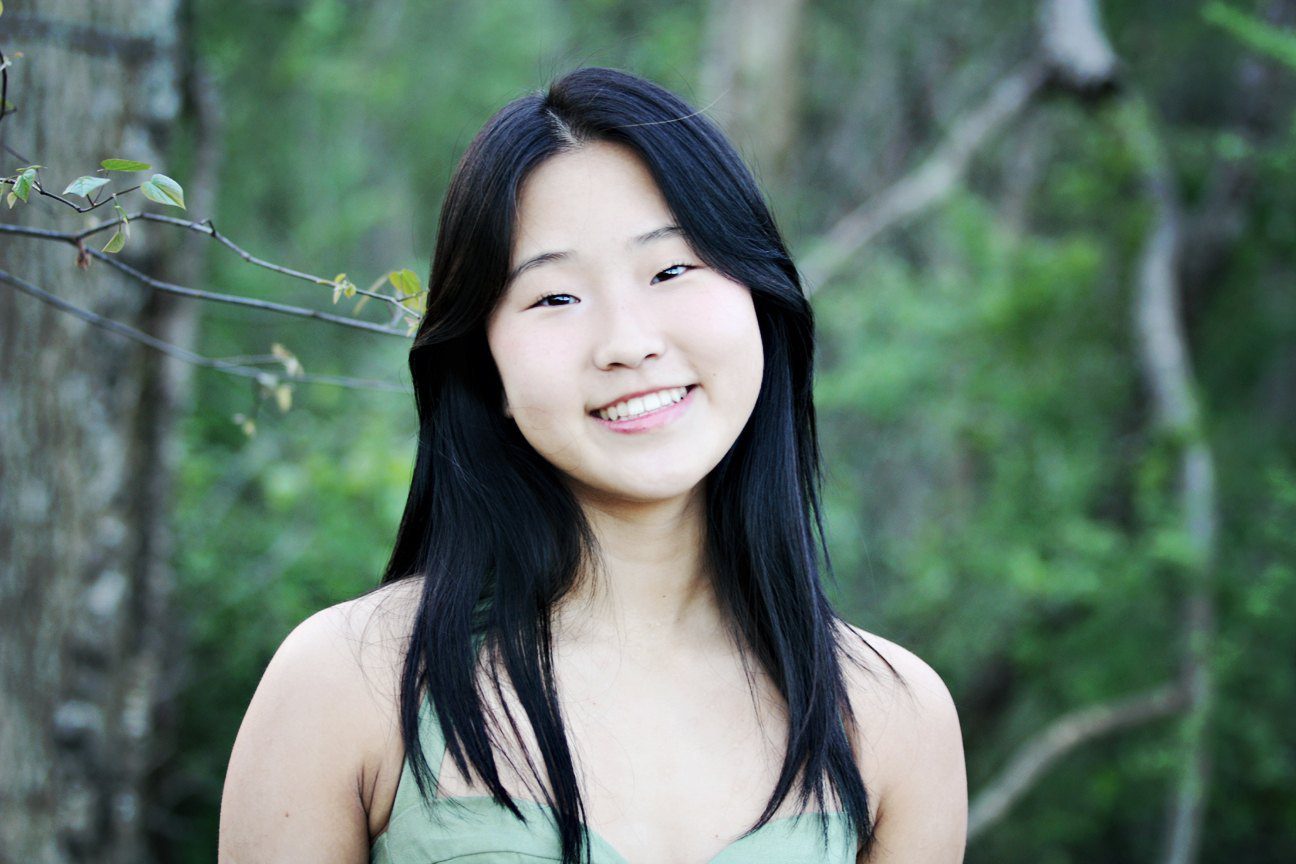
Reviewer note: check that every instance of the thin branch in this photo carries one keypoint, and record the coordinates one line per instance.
(927, 184)
(199, 294)
(207, 228)
(94, 205)
(1073, 56)
(266, 305)
(220, 365)
(42, 233)
(1059, 738)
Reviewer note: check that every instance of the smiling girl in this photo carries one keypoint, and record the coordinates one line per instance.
(602, 634)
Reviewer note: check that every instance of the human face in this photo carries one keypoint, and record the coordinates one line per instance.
(613, 314)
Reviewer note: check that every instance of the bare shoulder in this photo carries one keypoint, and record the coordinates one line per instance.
(894, 680)
(366, 638)
(911, 751)
(320, 742)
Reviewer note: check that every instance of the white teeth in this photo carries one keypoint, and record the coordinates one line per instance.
(642, 404)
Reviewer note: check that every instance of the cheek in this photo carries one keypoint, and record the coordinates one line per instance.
(520, 361)
(724, 337)
(536, 375)
(537, 380)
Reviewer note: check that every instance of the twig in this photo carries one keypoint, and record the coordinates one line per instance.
(207, 228)
(1059, 738)
(197, 293)
(94, 205)
(927, 184)
(1073, 55)
(221, 365)
(266, 305)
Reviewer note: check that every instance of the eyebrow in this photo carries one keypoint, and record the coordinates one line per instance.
(549, 257)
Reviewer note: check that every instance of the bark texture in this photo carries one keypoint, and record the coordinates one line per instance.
(86, 450)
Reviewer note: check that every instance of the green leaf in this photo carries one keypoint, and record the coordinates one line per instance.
(83, 186)
(164, 190)
(405, 281)
(22, 185)
(10, 199)
(124, 165)
(116, 243)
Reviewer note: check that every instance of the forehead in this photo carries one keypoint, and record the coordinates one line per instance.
(600, 193)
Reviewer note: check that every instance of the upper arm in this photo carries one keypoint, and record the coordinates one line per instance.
(918, 745)
(293, 790)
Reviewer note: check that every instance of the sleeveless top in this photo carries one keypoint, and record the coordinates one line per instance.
(477, 830)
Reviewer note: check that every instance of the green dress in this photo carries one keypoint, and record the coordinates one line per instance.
(476, 830)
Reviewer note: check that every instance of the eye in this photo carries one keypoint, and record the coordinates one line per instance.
(681, 267)
(542, 302)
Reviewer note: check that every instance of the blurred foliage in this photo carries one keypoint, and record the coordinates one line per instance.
(996, 499)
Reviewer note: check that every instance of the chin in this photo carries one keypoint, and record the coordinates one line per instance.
(640, 492)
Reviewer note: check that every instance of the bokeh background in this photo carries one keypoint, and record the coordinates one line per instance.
(1007, 494)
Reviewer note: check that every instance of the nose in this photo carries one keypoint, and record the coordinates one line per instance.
(629, 335)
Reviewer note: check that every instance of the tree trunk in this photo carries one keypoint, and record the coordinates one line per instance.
(86, 450)
(749, 73)
(1179, 416)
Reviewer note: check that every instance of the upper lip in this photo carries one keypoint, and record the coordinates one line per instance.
(628, 396)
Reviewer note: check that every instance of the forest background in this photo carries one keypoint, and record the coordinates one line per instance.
(1052, 263)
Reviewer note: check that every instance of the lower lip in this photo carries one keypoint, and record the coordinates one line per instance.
(652, 420)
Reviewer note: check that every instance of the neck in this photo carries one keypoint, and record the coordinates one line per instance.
(654, 584)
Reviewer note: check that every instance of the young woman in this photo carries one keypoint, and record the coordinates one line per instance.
(602, 633)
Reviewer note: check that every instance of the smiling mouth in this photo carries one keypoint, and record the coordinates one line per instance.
(642, 406)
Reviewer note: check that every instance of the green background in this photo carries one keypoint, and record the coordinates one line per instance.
(998, 499)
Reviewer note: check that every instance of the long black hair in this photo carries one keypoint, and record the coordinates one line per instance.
(497, 537)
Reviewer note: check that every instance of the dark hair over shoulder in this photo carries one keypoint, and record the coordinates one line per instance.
(495, 535)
